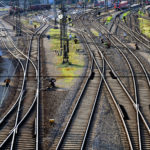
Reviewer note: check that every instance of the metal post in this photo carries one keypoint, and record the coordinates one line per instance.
(61, 38)
(106, 5)
(18, 22)
(55, 14)
(64, 35)
(25, 4)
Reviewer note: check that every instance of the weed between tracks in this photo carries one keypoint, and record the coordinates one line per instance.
(125, 14)
(26, 23)
(4, 9)
(108, 20)
(70, 70)
(94, 32)
(144, 26)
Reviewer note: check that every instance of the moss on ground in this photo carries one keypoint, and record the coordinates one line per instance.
(108, 20)
(69, 70)
(4, 9)
(94, 32)
(144, 26)
(141, 13)
(26, 23)
(36, 23)
(125, 14)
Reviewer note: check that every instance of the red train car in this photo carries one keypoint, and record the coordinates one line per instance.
(121, 5)
(14, 10)
(39, 7)
(147, 2)
(100, 4)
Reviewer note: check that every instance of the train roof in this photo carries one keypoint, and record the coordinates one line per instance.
(123, 2)
(134, 5)
(147, 7)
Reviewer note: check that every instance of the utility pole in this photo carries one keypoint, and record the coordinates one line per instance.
(18, 22)
(106, 5)
(25, 4)
(55, 14)
(64, 41)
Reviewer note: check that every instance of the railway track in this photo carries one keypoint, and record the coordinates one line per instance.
(26, 119)
(115, 101)
(137, 36)
(143, 81)
(74, 134)
(67, 140)
(25, 30)
(143, 137)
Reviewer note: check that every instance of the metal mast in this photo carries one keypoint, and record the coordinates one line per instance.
(18, 22)
(106, 5)
(55, 13)
(64, 37)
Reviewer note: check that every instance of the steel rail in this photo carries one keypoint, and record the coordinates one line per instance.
(143, 119)
(24, 81)
(13, 24)
(95, 102)
(145, 72)
(10, 39)
(134, 84)
(19, 105)
(109, 90)
(13, 130)
(132, 33)
(135, 106)
(21, 121)
(21, 90)
(29, 108)
(74, 109)
(114, 99)
(119, 111)
(38, 90)
(137, 33)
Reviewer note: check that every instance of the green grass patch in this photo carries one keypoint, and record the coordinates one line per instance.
(94, 32)
(141, 13)
(36, 23)
(71, 70)
(145, 26)
(125, 14)
(4, 9)
(26, 23)
(108, 20)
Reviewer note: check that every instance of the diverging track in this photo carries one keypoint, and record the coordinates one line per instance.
(24, 134)
(141, 94)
